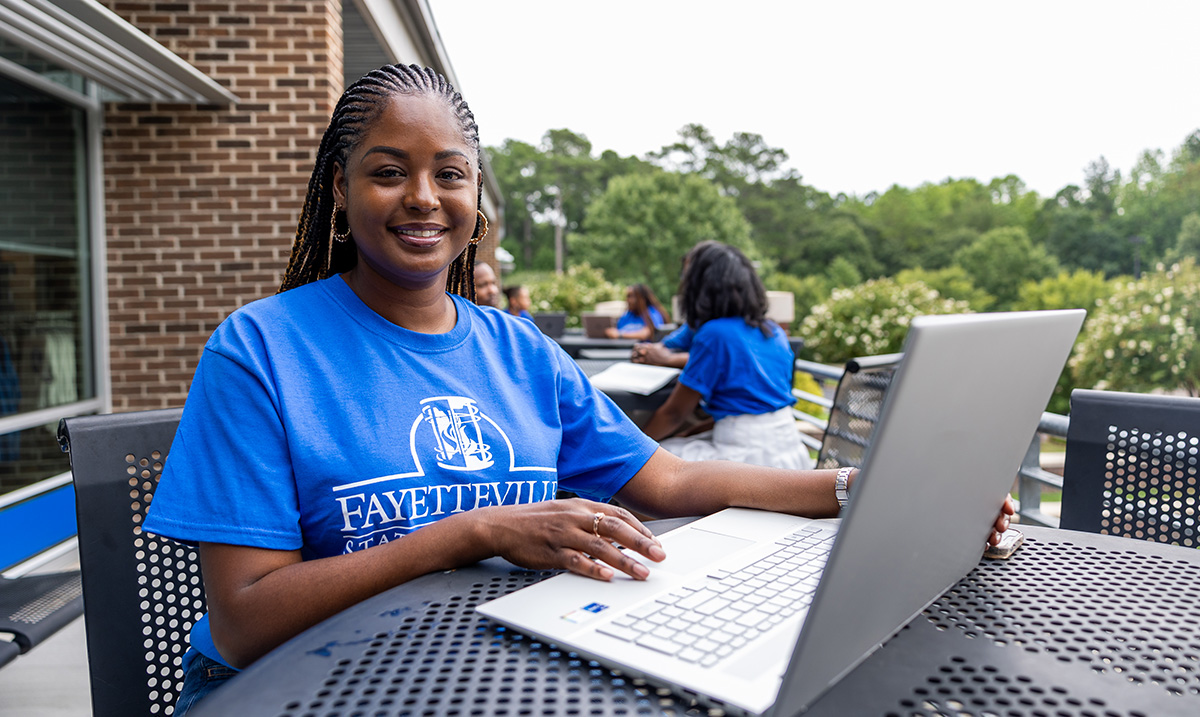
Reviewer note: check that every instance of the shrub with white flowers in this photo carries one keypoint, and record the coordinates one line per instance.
(1144, 336)
(871, 318)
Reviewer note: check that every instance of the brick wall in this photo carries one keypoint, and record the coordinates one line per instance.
(201, 202)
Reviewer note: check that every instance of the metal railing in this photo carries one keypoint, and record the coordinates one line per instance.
(822, 373)
(1032, 478)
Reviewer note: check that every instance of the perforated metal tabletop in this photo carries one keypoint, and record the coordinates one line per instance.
(1075, 624)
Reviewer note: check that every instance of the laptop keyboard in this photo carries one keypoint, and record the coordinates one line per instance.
(708, 621)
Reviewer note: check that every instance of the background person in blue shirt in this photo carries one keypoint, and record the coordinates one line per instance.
(739, 368)
(518, 300)
(369, 424)
(643, 314)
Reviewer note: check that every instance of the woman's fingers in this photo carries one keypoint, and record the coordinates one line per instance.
(610, 528)
(579, 535)
(1002, 520)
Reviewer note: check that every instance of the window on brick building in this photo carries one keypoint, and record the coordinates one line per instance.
(47, 331)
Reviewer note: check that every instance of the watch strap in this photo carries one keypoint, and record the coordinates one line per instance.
(841, 485)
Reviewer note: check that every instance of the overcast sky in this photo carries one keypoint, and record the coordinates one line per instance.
(861, 95)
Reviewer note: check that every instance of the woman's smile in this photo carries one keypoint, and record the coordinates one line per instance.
(420, 235)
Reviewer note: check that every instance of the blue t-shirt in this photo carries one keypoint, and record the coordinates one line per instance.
(680, 339)
(736, 370)
(313, 423)
(630, 321)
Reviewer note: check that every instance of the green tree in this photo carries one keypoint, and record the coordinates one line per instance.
(745, 159)
(1080, 239)
(1003, 259)
(951, 282)
(924, 227)
(1067, 290)
(1144, 337)
(639, 229)
(1188, 243)
(553, 182)
(842, 272)
(515, 165)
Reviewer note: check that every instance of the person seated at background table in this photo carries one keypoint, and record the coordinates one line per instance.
(643, 314)
(369, 424)
(739, 367)
(487, 288)
(518, 300)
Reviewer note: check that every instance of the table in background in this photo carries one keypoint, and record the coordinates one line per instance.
(1073, 624)
(574, 343)
(638, 406)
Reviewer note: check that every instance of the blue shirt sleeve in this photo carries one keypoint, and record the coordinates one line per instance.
(680, 339)
(601, 448)
(210, 482)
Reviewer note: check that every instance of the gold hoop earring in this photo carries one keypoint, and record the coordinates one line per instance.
(483, 232)
(333, 232)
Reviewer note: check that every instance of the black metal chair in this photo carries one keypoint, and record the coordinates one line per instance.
(142, 593)
(34, 607)
(857, 402)
(8, 652)
(1131, 466)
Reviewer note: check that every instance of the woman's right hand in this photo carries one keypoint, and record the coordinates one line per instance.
(573, 534)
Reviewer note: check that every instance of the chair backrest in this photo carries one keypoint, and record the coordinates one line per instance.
(141, 592)
(552, 323)
(1131, 466)
(856, 406)
(781, 307)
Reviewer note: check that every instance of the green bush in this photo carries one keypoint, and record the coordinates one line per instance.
(578, 289)
(1144, 336)
(1080, 289)
(871, 318)
(806, 382)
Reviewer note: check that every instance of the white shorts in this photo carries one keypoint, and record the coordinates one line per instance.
(768, 439)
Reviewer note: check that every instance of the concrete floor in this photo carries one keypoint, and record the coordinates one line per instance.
(51, 680)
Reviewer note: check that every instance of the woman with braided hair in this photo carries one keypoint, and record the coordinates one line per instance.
(369, 424)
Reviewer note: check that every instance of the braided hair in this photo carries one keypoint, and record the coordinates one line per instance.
(718, 282)
(315, 254)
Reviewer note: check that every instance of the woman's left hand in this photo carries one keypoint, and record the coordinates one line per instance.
(1002, 520)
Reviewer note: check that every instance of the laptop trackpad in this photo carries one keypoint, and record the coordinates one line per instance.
(692, 549)
(770, 656)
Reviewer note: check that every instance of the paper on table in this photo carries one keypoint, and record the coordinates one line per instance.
(634, 377)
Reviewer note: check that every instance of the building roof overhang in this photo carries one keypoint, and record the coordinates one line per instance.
(88, 38)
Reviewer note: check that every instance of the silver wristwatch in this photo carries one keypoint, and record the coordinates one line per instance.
(841, 485)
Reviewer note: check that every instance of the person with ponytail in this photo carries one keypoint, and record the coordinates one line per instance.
(370, 424)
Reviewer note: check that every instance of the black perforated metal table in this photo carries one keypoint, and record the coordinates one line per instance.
(1075, 624)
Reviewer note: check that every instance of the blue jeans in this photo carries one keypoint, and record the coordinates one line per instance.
(201, 676)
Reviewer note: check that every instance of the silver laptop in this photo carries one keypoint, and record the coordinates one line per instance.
(760, 613)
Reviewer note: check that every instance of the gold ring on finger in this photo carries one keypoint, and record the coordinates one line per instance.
(596, 523)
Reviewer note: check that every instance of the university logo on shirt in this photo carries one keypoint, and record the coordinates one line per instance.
(453, 434)
(460, 444)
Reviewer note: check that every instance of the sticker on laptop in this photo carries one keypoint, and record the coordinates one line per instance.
(585, 613)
